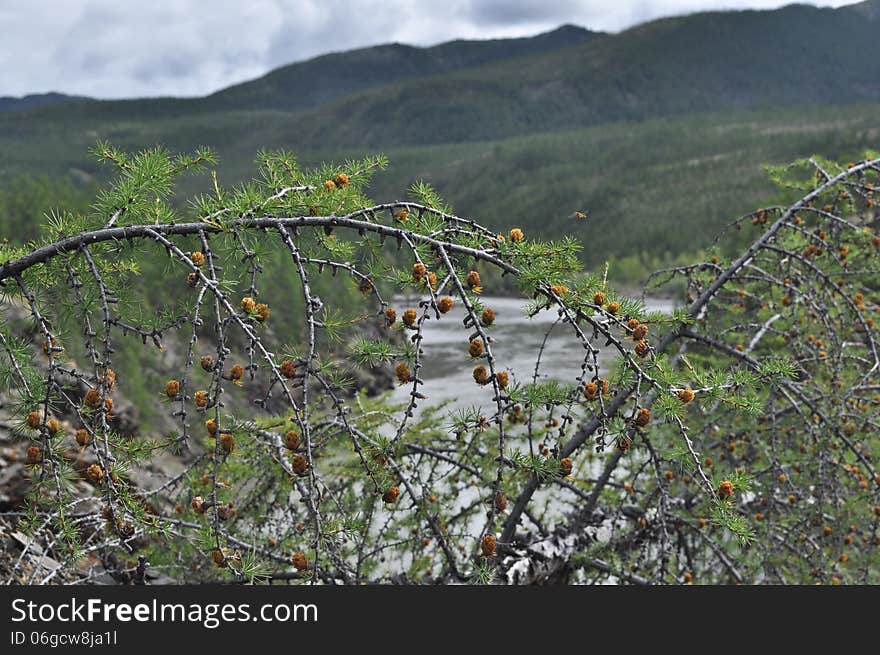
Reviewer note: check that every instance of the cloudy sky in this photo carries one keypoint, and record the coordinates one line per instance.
(130, 48)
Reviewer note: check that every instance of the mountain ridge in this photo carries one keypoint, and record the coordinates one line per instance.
(701, 62)
(386, 63)
(302, 85)
(461, 91)
(33, 100)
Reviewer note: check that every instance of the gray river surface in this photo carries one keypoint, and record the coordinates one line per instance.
(447, 370)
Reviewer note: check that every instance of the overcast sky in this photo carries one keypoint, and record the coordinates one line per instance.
(132, 48)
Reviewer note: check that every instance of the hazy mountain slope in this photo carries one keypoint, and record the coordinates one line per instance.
(10, 103)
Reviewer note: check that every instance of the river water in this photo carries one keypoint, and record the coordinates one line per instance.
(517, 340)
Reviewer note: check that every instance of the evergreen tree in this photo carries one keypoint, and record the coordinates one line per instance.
(732, 441)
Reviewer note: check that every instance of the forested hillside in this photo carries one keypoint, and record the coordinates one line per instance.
(531, 129)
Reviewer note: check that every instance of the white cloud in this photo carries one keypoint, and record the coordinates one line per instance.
(113, 49)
